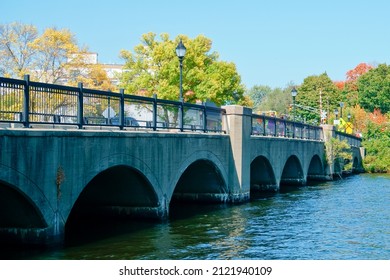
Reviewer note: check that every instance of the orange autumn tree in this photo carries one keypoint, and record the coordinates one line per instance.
(339, 84)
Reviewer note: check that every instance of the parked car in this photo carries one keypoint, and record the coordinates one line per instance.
(129, 121)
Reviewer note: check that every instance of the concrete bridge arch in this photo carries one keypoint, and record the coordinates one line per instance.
(202, 176)
(118, 185)
(292, 173)
(24, 209)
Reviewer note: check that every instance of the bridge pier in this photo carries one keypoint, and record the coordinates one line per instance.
(238, 125)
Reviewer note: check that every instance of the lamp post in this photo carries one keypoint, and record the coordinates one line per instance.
(341, 109)
(294, 94)
(336, 112)
(181, 52)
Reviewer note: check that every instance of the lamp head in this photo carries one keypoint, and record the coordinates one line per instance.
(294, 92)
(181, 50)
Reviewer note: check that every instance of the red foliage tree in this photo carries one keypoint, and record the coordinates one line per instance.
(360, 69)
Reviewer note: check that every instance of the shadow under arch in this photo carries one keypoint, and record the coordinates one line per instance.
(117, 191)
(262, 176)
(21, 221)
(292, 174)
(202, 181)
(316, 171)
(17, 210)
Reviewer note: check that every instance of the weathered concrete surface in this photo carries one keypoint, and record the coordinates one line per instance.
(51, 169)
(48, 176)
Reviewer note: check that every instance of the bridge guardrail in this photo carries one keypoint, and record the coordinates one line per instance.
(277, 127)
(353, 141)
(26, 102)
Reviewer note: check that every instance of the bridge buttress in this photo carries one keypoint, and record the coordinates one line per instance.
(238, 124)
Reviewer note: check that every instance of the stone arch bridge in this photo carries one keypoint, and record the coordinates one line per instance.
(46, 176)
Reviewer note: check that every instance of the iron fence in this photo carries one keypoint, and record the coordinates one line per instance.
(276, 127)
(27, 103)
(352, 140)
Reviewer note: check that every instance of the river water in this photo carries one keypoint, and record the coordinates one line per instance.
(337, 220)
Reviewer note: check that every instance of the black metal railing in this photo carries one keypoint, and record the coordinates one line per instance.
(28, 103)
(276, 127)
(352, 140)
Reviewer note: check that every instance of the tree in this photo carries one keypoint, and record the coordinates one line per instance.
(350, 89)
(92, 76)
(50, 57)
(16, 50)
(377, 142)
(318, 92)
(277, 100)
(374, 89)
(338, 152)
(154, 68)
(354, 74)
(257, 94)
(57, 52)
(359, 118)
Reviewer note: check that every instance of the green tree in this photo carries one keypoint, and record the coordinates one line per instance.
(257, 94)
(374, 89)
(317, 92)
(154, 68)
(277, 100)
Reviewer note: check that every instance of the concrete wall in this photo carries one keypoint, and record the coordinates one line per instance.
(50, 169)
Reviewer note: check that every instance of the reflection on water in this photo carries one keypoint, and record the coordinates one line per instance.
(345, 219)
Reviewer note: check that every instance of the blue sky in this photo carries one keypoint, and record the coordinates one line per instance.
(272, 42)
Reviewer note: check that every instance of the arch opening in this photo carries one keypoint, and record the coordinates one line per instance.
(262, 176)
(110, 204)
(202, 181)
(316, 170)
(119, 191)
(17, 210)
(292, 175)
(21, 222)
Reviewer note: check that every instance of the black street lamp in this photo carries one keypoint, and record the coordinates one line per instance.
(181, 52)
(294, 93)
(341, 109)
(336, 112)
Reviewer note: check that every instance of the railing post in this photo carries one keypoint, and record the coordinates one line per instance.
(154, 112)
(26, 102)
(204, 118)
(293, 136)
(181, 115)
(122, 109)
(264, 132)
(80, 107)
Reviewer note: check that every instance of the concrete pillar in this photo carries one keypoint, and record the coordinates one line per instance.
(238, 124)
(329, 133)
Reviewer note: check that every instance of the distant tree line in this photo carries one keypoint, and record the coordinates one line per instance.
(152, 68)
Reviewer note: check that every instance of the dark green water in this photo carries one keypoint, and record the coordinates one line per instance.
(345, 219)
